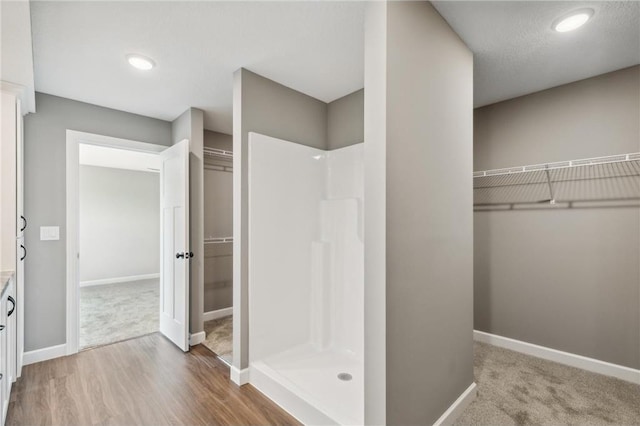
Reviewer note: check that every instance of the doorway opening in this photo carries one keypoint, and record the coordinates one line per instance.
(127, 240)
(119, 239)
(218, 244)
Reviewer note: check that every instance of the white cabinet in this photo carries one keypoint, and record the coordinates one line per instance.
(12, 246)
(7, 344)
(18, 317)
(18, 98)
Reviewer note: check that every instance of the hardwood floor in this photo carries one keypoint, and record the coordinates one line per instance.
(143, 381)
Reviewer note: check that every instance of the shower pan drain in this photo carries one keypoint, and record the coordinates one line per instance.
(345, 377)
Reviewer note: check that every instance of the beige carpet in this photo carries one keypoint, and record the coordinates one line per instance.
(219, 339)
(516, 389)
(114, 312)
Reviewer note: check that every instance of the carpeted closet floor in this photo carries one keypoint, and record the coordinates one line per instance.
(517, 389)
(114, 312)
(219, 338)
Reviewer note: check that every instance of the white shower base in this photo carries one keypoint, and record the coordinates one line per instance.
(304, 381)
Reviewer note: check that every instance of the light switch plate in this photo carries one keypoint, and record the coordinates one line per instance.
(49, 233)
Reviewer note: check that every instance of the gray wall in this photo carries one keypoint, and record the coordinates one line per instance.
(45, 204)
(218, 222)
(190, 125)
(218, 203)
(118, 209)
(563, 278)
(262, 106)
(429, 234)
(218, 274)
(429, 222)
(218, 140)
(345, 120)
(281, 112)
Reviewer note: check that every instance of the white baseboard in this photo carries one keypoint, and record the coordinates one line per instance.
(211, 315)
(590, 364)
(119, 280)
(44, 354)
(239, 377)
(197, 338)
(20, 364)
(455, 410)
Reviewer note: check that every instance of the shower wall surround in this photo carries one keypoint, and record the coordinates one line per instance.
(306, 278)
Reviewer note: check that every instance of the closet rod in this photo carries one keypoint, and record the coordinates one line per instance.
(220, 153)
(220, 240)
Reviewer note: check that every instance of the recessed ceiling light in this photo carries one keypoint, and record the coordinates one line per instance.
(572, 21)
(140, 62)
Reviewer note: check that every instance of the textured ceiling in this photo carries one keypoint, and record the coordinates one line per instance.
(516, 52)
(80, 47)
(314, 47)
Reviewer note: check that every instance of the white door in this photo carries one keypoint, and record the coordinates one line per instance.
(174, 269)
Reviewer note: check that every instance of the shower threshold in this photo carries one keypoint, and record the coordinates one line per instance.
(306, 382)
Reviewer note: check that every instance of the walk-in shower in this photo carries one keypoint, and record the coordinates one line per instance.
(306, 278)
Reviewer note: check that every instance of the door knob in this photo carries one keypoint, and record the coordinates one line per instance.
(180, 255)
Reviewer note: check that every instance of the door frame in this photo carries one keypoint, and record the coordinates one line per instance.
(74, 139)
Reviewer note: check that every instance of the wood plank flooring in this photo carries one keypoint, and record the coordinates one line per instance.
(143, 381)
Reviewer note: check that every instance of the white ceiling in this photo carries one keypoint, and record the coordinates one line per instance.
(102, 156)
(80, 47)
(516, 52)
(314, 47)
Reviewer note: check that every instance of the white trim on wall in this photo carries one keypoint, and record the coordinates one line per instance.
(219, 313)
(239, 186)
(22, 93)
(44, 354)
(73, 244)
(239, 377)
(117, 280)
(450, 416)
(590, 364)
(197, 338)
(74, 138)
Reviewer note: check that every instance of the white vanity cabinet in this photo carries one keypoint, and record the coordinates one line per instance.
(17, 90)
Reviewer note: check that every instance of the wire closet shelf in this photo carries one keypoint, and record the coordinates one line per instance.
(593, 180)
(218, 159)
(220, 154)
(220, 240)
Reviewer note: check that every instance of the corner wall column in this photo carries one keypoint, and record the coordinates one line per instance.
(419, 223)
